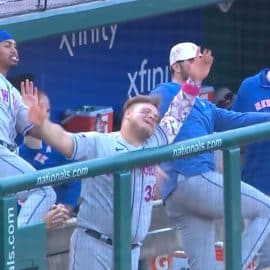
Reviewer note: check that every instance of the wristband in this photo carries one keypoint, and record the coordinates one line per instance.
(190, 89)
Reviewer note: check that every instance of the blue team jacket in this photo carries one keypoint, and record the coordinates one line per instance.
(204, 118)
(254, 95)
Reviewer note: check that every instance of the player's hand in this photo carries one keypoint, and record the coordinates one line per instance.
(57, 216)
(29, 93)
(201, 65)
(37, 113)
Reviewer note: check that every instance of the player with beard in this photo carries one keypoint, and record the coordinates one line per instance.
(91, 242)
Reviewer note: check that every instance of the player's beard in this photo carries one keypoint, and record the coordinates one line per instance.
(183, 72)
(142, 132)
(184, 75)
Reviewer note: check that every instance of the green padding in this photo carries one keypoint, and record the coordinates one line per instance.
(32, 247)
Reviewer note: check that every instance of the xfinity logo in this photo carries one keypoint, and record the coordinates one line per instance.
(88, 37)
(146, 78)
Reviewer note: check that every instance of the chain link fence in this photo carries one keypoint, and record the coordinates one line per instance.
(10, 8)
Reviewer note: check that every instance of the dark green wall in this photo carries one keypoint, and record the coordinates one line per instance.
(240, 40)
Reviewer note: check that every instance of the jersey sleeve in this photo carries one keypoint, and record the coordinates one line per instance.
(178, 111)
(167, 94)
(225, 120)
(23, 124)
(159, 137)
(85, 145)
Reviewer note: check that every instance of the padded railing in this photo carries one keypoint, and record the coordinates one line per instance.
(12, 239)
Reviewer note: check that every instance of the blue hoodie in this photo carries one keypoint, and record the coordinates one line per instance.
(254, 96)
(204, 119)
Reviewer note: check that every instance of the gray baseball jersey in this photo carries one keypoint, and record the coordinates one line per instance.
(97, 192)
(13, 112)
(96, 209)
(14, 119)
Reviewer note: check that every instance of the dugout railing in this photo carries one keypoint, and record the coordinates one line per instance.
(25, 248)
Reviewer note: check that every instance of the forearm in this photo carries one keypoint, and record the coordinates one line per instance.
(179, 109)
(54, 135)
(184, 101)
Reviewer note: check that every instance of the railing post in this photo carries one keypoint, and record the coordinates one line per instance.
(31, 247)
(232, 208)
(122, 221)
(8, 232)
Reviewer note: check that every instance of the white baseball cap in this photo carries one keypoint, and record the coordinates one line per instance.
(183, 51)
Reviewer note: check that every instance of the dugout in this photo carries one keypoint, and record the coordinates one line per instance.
(238, 37)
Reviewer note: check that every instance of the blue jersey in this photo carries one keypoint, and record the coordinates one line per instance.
(254, 96)
(47, 157)
(205, 118)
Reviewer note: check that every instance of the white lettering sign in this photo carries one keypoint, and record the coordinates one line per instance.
(73, 40)
(11, 238)
(145, 79)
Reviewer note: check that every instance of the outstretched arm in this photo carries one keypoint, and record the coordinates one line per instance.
(183, 102)
(44, 129)
(52, 133)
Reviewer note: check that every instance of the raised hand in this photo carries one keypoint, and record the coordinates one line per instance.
(29, 93)
(201, 65)
(37, 113)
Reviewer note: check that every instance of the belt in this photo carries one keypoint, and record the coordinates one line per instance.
(10, 147)
(105, 238)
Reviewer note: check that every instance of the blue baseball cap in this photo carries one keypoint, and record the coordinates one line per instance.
(4, 35)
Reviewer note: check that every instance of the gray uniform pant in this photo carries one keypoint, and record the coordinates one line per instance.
(264, 254)
(195, 205)
(87, 253)
(37, 202)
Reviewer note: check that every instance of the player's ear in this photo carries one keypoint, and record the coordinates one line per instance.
(127, 113)
(176, 67)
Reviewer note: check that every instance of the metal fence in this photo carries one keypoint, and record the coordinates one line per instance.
(10, 8)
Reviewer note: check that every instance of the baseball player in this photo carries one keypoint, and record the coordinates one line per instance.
(14, 119)
(91, 243)
(193, 194)
(253, 96)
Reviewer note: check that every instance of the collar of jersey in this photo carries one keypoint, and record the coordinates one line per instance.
(130, 147)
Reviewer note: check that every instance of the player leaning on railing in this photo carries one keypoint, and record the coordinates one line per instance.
(91, 243)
